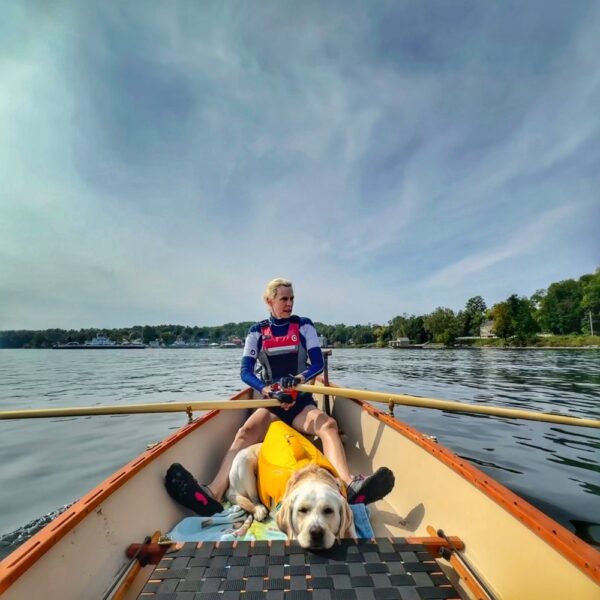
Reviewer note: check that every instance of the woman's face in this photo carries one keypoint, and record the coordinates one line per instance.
(283, 303)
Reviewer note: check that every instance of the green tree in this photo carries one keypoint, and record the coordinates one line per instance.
(39, 340)
(216, 334)
(514, 318)
(590, 301)
(415, 330)
(473, 315)
(201, 333)
(561, 308)
(341, 334)
(442, 325)
(383, 334)
(399, 326)
(167, 337)
(502, 320)
(148, 334)
(537, 297)
(363, 334)
(134, 333)
(409, 326)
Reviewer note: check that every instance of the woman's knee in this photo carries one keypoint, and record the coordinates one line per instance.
(327, 426)
(251, 432)
(245, 437)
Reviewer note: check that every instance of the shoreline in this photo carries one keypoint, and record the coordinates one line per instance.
(527, 347)
(431, 346)
(466, 347)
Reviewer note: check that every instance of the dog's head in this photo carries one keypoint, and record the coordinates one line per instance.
(313, 510)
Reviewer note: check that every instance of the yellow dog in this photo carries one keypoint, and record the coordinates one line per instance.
(294, 475)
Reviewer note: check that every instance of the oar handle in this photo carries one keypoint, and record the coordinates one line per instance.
(127, 409)
(449, 405)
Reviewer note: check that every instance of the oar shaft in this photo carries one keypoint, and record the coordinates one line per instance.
(126, 409)
(449, 405)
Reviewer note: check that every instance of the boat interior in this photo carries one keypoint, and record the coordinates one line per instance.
(445, 531)
(402, 560)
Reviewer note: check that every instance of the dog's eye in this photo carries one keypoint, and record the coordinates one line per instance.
(303, 510)
(328, 511)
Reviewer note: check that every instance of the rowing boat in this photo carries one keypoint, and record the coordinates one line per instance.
(481, 540)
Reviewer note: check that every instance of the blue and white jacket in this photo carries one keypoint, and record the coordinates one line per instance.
(284, 363)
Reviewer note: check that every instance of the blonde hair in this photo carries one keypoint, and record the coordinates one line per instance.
(273, 286)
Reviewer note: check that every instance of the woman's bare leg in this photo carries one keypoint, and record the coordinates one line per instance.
(252, 432)
(360, 489)
(315, 422)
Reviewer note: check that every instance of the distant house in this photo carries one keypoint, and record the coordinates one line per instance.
(486, 329)
(323, 341)
(400, 342)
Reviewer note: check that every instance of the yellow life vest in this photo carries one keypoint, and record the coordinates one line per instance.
(283, 452)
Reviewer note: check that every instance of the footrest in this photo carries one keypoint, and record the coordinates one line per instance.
(378, 569)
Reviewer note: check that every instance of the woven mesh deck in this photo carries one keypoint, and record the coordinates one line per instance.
(380, 569)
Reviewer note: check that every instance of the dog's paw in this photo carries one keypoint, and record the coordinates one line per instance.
(260, 513)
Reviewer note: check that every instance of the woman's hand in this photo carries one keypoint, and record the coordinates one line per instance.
(290, 381)
(287, 405)
(266, 393)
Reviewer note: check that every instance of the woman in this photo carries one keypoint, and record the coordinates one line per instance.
(288, 351)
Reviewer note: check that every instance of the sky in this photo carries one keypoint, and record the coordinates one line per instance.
(160, 162)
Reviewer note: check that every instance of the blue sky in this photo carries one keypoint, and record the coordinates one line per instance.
(161, 161)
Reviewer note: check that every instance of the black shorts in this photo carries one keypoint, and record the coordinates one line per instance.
(287, 416)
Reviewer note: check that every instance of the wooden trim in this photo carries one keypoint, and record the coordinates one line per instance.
(582, 555)
(469, 578)
(128, 580)
(461, 568)
(21, 559)
(434, 543)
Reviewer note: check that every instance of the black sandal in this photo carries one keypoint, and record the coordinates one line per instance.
(365, 490)
(183, 488)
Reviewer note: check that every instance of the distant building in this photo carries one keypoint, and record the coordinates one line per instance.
(323, 341)
(486, 329)
(400, 342)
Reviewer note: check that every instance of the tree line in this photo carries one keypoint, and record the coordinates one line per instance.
(567, 307)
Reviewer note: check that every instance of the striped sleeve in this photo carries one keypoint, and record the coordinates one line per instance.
(308, 331)
(252, 345)
(313, 348)
(251, 350)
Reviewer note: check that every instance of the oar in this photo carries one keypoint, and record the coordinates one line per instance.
(84, 411)
(447, 405)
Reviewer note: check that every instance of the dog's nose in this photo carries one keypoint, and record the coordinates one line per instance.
(316, 534)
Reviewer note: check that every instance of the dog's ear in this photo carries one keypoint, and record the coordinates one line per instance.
(346, 522)
(284, 518)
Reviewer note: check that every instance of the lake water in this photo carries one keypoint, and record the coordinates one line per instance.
(48, 463)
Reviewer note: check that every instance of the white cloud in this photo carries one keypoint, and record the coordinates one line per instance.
(163, 165)
(523, 241)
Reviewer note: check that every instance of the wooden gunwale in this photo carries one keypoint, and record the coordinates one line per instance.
(21, 559)
(582, 555)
